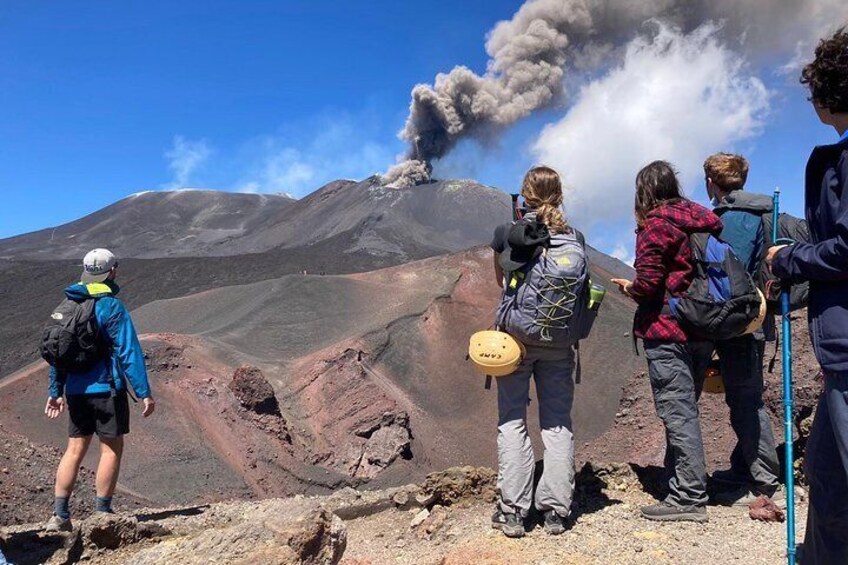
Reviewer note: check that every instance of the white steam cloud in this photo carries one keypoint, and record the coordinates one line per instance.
(184, 158)
(675, 96)
(530, 53)
(299, 162)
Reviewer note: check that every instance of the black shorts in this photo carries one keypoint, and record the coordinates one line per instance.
(103, 414)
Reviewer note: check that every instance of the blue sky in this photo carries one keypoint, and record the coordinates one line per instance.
(101, 99)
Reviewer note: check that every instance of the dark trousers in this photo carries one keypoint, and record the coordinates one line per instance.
(754, 457)
(672, 368)
(826, 467)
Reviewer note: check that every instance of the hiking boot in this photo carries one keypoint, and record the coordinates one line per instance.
(511, 525)
(745, 495)
(728, 478)
(667, 512)
(57, 524)
(554, 523)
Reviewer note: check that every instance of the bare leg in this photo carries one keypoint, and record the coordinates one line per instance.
(66, 474)
(111, 450)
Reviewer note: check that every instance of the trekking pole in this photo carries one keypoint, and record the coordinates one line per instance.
(786, 336)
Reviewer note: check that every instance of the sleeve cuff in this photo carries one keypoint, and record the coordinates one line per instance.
(780, 263)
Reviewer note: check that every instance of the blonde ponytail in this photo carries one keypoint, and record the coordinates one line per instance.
(542, 190)
(552, 217)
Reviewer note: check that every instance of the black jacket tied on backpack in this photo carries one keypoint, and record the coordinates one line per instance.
(824, 261)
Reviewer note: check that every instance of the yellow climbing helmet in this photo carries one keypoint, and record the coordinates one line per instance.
(757, 323)
(494, 353)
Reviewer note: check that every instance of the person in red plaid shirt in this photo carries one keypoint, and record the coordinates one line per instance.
(676, 365)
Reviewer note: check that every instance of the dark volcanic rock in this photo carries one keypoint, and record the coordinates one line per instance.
(254, 391)
(389, 440)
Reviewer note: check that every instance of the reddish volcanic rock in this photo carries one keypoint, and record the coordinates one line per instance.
(253, 391)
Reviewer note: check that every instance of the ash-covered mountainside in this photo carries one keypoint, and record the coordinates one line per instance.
(409, 223)
(153, 224)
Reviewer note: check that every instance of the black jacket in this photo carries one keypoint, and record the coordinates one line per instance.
(824, 262)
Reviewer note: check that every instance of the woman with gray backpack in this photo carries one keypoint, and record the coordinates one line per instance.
(540, 262)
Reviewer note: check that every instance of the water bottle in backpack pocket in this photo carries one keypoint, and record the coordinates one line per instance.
(722, 302)
(547, 301)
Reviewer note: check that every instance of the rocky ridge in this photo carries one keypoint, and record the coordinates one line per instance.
(444, 520)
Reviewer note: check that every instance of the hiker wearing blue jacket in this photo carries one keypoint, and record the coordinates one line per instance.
(754, 467)
(97, 398)
(824, 263)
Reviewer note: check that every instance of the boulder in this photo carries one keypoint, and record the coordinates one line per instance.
(253, 391)
(281, 532)
(461, 483)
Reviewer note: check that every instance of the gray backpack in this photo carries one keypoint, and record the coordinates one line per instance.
(547, 301)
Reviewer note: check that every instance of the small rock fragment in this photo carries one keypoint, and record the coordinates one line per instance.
(419, 518)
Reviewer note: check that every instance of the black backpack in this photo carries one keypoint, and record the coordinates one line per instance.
(722, 301)
(71, 340)
(788, 227)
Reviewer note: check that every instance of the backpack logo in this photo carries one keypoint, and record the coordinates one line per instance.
(57, 316)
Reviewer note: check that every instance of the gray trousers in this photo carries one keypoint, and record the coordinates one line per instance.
(552, 370)
(754, 457)
(672, 368)
(826, 467)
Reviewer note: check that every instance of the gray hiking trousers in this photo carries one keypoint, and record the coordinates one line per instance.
(673, 369)
(826, 467)
(755, 455)
(552, 370)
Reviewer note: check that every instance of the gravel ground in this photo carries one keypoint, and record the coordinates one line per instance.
(613, 534)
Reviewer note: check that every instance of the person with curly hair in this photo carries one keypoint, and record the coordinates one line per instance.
(824, 263)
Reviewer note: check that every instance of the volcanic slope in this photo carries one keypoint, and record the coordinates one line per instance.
(343, 227)
(153, 224)
(368, 369)
(437, 217)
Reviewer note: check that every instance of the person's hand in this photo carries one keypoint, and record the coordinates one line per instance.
(624, 286)
(55, 406)
(772, 253)
(149, 406)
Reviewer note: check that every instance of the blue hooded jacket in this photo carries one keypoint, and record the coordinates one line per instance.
(126, 361)
(824, 262)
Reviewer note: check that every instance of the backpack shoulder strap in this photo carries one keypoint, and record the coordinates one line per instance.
(580, 237)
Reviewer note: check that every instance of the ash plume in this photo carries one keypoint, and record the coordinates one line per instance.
(529, 54)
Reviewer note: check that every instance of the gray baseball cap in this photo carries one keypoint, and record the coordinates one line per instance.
(97, 265)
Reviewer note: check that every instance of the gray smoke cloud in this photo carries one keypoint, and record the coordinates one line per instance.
(529, 55)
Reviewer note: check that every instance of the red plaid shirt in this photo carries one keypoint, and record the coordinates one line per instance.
(664, 265)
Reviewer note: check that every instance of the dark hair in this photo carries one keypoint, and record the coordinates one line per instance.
(656, 184)
(827, 75)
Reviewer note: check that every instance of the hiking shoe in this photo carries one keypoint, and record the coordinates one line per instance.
(667, 512)
(745, 495)
(511, 525)
(554, 523)
(57, 524)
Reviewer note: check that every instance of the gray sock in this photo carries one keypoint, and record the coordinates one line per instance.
(60, 507)
(104, 504)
